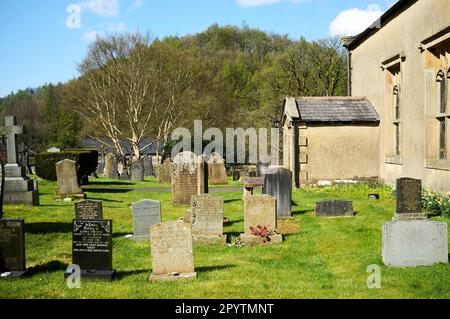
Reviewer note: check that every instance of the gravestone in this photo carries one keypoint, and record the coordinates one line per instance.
(189, 177)
(334, 208)
(137, 171)
(262, 167)
(410, 240)
(66, 173)
(206, 216)
(92, 249)
(89, 210)
(12, 248)
(236, 175)
(217, 174)
(172, 254)
(409, 199)
(260, 210)
(110, 167)
(411, 243)
(19, 188)
(165, 172)
(278, 183)
(146, 213)
(148, 166)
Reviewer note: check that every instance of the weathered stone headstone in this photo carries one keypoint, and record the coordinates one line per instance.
(410, 243)
(146, 213)
(92, 249)
(206, 216)
(260, 210)
(19, 188)
(165, 172)
(137, 171)
(12, 248)
(409, 199)
(189, 177)
(110, 171)
(216, 170)
(262, 167)
(236, 175)
(278, 183)
(172, 254)
(148, 166)
(89, 210)
(334, 208)
(68, 185)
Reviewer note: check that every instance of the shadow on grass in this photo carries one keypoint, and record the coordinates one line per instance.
(51, 266)
(118, 183)
(213, 268)
(107, 190)
(231, 222)
(302, 212)
(232, 200)
(232, 234)
(45, 228)
(293, 203)
(122, 274)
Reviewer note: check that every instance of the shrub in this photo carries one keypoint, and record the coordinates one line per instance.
(86, 163)
(436, 204)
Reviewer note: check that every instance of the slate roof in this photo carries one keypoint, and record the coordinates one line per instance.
(336, 109)
(95, 144)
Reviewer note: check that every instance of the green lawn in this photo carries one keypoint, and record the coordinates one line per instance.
(321, 258)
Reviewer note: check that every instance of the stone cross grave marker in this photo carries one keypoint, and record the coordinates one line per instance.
(172, 254)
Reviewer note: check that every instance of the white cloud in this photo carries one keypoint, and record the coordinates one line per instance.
(92, 35)
(115, 27)
(104, 8)
(138, 3)
(255, 3)
(354, 21)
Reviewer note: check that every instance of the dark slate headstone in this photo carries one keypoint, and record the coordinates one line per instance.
(409, 196)
(148, 166)
(278, 183)
(146, 213)
(12, 248)
(92, 248)
(236, 175)
(334, 208)
(89, 210)
(137, 171)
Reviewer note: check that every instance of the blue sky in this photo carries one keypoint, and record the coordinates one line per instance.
(42, 41)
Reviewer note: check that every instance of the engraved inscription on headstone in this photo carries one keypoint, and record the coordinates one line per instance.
(92, 248)
(171, 248)
(89, 209)
(185, 175)
(146, 213)
(206, 216)
(334, 208)
(12, 247)
(409, 199)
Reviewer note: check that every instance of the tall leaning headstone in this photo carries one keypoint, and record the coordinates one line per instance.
(110, 170)
(172, 253)
(410, 240)
(278, 183)
(19, 188)
(68, 183)
(189, 177)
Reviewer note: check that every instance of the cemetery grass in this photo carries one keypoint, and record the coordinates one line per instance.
(319, 258)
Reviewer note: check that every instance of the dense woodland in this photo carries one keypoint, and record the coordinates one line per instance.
(132, 86)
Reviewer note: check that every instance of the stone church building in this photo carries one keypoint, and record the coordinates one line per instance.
(396, 121)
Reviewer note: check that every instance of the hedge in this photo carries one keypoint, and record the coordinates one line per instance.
(87, 161)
